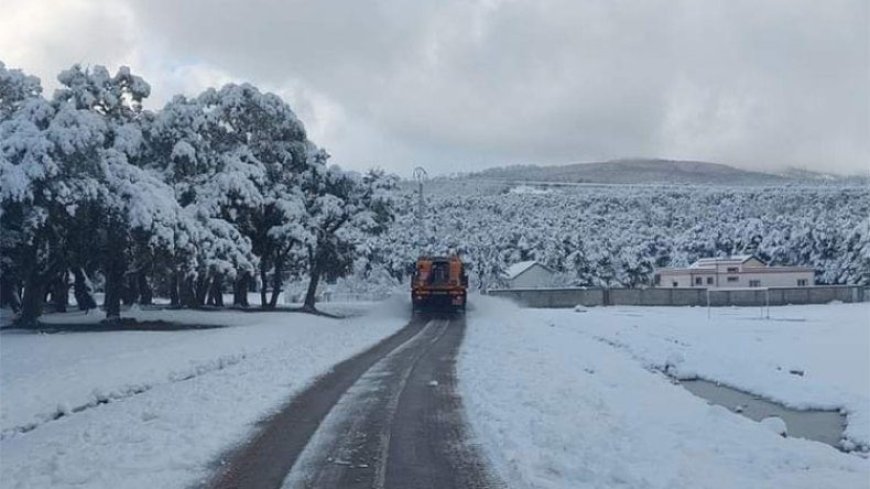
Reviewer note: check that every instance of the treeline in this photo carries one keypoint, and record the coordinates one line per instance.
(205, 196)
(615, 236)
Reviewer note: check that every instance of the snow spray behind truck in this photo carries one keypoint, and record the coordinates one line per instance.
(439, 283)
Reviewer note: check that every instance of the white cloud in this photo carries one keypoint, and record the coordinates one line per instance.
(457, 85)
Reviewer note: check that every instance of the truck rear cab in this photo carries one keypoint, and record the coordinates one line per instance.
(439, 283)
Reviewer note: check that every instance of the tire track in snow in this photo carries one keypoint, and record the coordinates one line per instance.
(390, 417)
(400, 425)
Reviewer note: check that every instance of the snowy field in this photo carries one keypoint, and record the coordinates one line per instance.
(153, 409)
(561, 398)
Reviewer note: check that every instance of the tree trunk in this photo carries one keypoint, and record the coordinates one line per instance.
(311, 294)
(60, 292)
(240, 290)
(82, 291)
(188, 292)
(131, 290)
(114, 287)
(146, 295)
(202, 288)
(174, 285)
(115, 268)
(216, 292)
(263, 282)
(9, 293)
(31, 305)
(276, 282)
(210, 297)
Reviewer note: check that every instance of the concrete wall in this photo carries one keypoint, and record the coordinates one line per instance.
(684, 296)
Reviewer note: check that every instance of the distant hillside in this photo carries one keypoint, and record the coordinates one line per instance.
(636, 171)
(812, 176)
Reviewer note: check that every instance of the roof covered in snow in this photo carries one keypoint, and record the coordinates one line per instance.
(517, 269)
(712, 262)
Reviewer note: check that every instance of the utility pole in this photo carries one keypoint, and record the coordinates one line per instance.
(420, 176)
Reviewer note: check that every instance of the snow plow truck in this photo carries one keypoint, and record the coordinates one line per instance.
(439, 283)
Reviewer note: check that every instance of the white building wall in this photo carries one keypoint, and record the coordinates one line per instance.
(535, 276)
(668, 280)
(765, 279)
(776, 279)
(686, 280)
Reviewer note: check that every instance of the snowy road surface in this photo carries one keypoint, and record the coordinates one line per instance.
(397, 423)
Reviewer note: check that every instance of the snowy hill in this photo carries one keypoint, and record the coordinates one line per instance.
(637, 171)
(819, 177)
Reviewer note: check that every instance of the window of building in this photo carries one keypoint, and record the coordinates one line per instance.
(709, 280)
(732, 269)
(733, 279)
(676, 284)
(802, 282)
(755, 283)
(699, 281)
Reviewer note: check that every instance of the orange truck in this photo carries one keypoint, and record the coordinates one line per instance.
(439, 283)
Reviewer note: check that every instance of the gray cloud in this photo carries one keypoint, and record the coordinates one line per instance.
(459, 85)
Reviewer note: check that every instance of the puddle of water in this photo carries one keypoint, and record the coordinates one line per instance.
(824, 426)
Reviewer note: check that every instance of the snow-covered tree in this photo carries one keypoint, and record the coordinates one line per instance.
(18, 131)
(341, 208)
(136, 206)
(213, 180)
(48, 174)
(265, 154)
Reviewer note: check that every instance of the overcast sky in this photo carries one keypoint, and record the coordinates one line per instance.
(462, 85)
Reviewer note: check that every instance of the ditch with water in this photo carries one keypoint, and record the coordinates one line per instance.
(819, 425)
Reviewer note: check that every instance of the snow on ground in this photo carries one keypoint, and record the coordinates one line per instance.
(176, 399)
(565, 399)
(805, 357)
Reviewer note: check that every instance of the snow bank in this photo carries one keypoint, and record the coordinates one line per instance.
(554, 406)
(152, 409)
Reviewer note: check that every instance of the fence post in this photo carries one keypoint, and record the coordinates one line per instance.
(708, 303)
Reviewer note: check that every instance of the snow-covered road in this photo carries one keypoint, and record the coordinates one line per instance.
(564, 399)
(177, 399)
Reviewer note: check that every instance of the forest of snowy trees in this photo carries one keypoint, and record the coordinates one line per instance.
(614, 236)
(205, 195)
